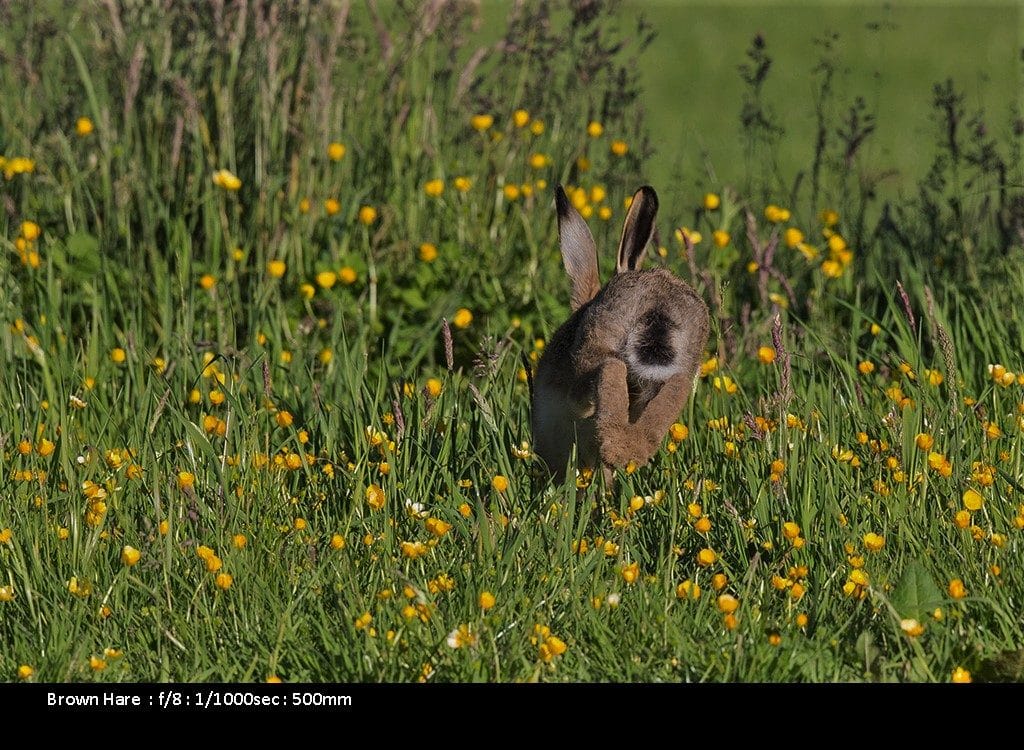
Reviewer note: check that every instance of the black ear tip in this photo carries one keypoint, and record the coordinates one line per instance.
(648, 193)
(561, 202)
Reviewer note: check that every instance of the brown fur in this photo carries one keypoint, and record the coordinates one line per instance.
(593, 387)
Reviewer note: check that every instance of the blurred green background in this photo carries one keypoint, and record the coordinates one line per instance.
(891, 54)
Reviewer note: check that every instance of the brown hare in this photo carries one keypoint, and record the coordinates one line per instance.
(616, 375)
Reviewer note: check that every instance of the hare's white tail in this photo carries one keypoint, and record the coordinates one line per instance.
(656, 347)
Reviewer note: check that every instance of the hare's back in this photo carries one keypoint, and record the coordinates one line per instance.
(663, 323)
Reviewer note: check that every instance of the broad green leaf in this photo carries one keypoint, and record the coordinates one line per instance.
(83, 253)
(414, 299)
(916, 594)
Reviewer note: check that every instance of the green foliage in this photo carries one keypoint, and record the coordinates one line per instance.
(312, 420)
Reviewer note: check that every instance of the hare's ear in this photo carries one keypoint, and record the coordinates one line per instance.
(638, 229)
(579, 253)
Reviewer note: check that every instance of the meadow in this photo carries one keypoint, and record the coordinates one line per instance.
(271, 280)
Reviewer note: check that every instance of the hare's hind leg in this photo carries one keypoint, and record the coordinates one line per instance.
(662, 410)
(622, 441)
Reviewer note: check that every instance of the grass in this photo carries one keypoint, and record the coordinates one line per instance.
(884, 58)
(243, 436)
(888, 54)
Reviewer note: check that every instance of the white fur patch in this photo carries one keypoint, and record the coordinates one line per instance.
(658, 373)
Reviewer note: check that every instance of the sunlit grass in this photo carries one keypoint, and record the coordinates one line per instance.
(265, 407)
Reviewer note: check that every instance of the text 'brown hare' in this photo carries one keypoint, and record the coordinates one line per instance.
(616, 375)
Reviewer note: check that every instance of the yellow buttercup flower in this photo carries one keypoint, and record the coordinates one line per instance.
(711, 201)
(727, 603)
(130, 556)
(336, 151)
(224, 178)
(412, 550)
(688, 590)
(595, 129)
(462, 318)
(956, 589)
(375, 497)
(873, 542)
(619, 148)
(434, 188)
(30, 231)
(437, 527)
(973, 500)
(367, 215)
(481, 122)
(706, 557)
(462, 637)
(832, 269)
(16, 165)
(428, 252)
(83, 127)
(911, 627)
